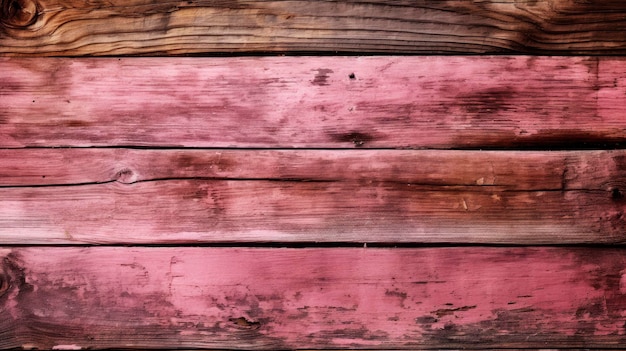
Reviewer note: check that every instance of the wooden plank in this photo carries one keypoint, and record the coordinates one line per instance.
(508, 170)
(223, 211)
(131, 27)
(172, 196)
(312, 298)
(316, 102)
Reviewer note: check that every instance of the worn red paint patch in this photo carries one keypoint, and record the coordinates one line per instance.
(313, 298)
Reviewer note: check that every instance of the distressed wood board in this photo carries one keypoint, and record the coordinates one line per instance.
(243, 298)
(128, 196)
(510, 102)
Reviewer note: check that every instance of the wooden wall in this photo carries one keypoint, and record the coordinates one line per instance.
(320, 175)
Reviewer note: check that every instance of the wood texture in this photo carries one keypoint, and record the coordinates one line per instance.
(131, 27)
(315, 102)
(112, 196)
(601, 170)
(312, 298)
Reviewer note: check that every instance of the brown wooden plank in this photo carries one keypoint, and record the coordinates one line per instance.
(391, 102)
(509, 170)
(312, 298)
(116, 27)
(196, 211)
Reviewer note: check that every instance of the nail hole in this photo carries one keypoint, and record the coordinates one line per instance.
(352, 76)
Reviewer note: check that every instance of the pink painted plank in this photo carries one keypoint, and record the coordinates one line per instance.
(511, 170)
(418, 102)
(197, 211)
(265, 299)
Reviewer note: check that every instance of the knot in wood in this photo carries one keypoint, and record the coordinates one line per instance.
(18, 13)
(126, 176)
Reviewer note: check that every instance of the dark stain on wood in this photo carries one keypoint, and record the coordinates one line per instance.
(76, 123)
(620, 162)
(426, 321)
(328, 337)
(9, 86)
(321, 78)
(396, 293)
(13, 277)
(545, 140)
(357, 138)
(488, 331)
(484, 104)
(589, 318)
(450, 311)
(617, 194)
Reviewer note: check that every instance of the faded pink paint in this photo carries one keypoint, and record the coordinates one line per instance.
(307, 298)
(438, 102)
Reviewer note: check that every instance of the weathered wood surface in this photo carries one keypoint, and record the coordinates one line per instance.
(312, 298)
(586, 170)
(318, 102)
(73, 27)
(112, 196)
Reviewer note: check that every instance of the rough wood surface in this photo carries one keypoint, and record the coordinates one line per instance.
(123, 27)
(191, 211)
(600, 170)
(312, 298)
(318, 102)
(77, 196)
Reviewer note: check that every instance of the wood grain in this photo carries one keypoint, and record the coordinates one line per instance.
(312, 298)
(77, 196)
(141, 27)
(226, 211)
(602, 170)
(315, 102)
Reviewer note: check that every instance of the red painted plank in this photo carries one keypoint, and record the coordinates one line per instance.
(312, 298)
(418, 102)
(192, 211)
